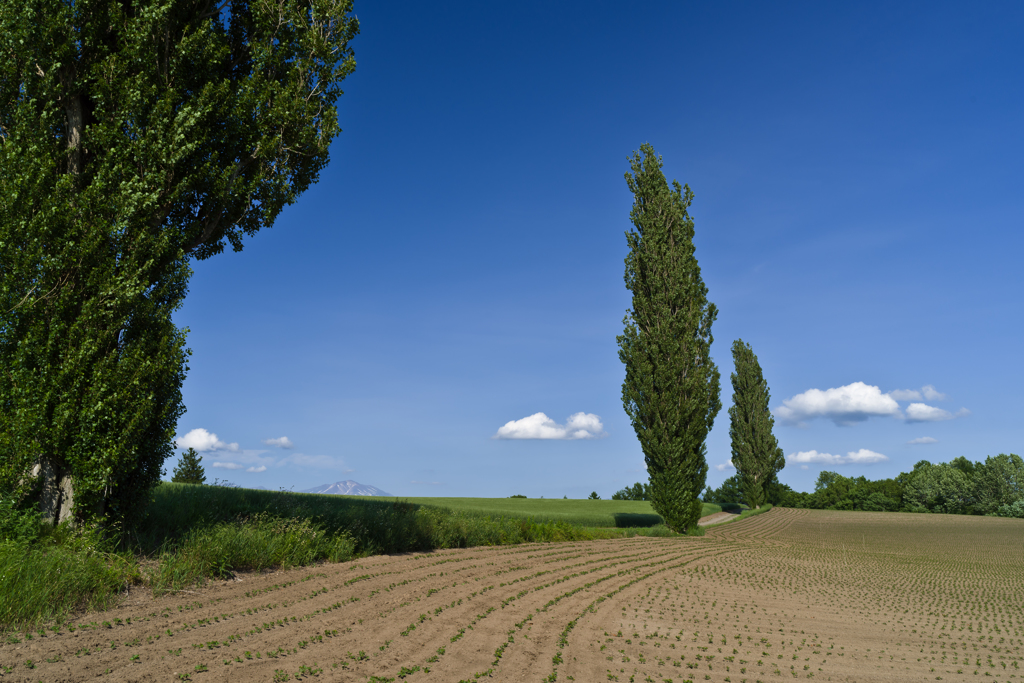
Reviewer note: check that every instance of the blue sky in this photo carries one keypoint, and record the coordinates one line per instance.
(858, 210)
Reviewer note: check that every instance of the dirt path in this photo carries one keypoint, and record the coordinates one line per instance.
(717, 518)
(605, 610)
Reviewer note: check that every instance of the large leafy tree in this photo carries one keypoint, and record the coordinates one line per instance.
(755, 450)
(671, 389)
(134, 137)
(938, 488)
(997, 482)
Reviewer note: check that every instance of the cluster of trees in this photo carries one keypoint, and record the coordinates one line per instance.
(134, 138)
(992, 487)
(638, 491)
(732, 491)
(672, 385)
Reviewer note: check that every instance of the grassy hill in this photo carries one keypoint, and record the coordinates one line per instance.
(587, 513)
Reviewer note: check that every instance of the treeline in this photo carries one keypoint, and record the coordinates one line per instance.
(962, 487)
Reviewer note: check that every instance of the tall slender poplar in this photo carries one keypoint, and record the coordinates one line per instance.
(671, 389)
(755, 450)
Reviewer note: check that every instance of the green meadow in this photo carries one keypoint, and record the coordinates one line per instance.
(587, 513)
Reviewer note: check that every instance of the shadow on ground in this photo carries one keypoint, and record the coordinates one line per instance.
(626, 520)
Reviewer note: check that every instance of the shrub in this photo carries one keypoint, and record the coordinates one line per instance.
(257, 543)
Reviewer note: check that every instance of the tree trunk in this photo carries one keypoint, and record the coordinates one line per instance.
(58, 500)
(73, 109)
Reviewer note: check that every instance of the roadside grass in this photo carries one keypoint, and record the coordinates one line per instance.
(198, 532)
(45, 579)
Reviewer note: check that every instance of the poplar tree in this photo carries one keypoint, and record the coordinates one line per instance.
(671, 390)
(755, 450)
(136, 136)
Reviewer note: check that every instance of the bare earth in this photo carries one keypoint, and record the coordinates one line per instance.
(790, 594)
(717, 518)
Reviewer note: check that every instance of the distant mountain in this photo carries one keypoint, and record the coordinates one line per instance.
(348, 488)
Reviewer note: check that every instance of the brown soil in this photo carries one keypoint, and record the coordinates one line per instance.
(786, 594)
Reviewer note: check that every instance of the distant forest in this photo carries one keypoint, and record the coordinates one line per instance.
(960, 487)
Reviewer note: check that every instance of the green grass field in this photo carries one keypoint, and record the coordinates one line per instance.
(178, 508)
(586, 513)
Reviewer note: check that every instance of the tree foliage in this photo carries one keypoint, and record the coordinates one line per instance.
(1015, 509)
(135, 137)
(957, 487)
(938, 488)
(755, 450)
(731, 491)
(190, 469)
(998, 482)
(638, 491)
(671, 389)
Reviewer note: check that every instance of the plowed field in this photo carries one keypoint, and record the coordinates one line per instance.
(844, 596)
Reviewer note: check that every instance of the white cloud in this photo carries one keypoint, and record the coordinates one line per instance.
(725, 466)
(920, 412)
(927, 392)
(922, 440)
(906, 394)
(250, 461)
(283, 442)
(203, 441)
(861, 457)
(540, 426)
(865, 457)
(843, 405)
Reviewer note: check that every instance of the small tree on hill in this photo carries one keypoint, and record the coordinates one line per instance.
(755, 450)
(593, 496)
(190, 469)
(671, 389)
